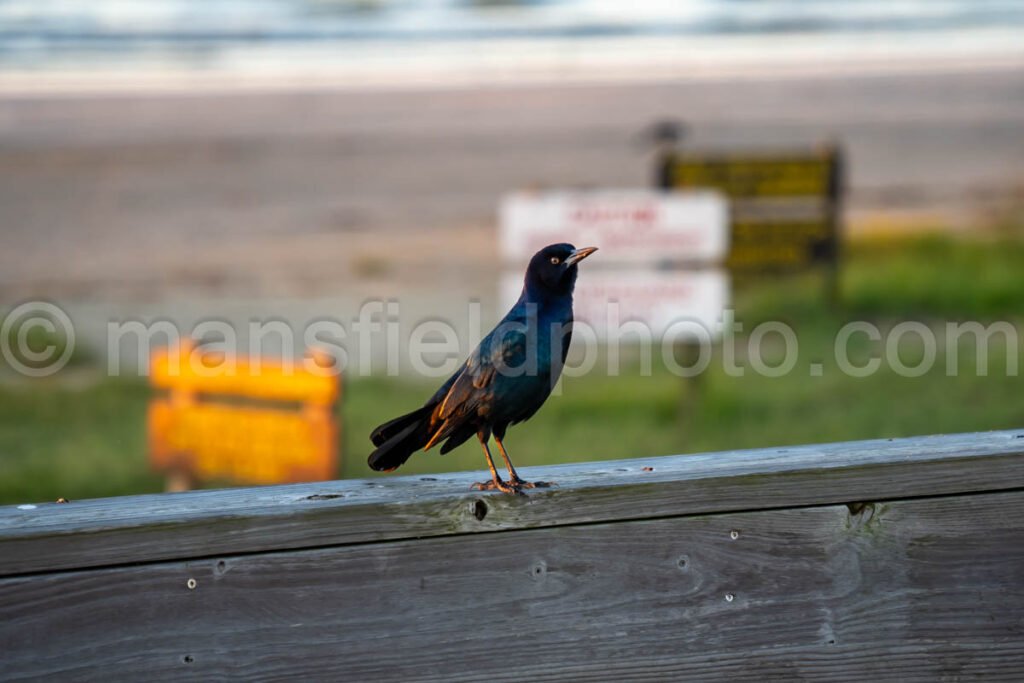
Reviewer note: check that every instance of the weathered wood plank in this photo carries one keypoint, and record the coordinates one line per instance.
(135, 529)
(919, 590)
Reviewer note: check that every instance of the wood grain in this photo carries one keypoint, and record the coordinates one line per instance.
(134, 529)
(918, 590)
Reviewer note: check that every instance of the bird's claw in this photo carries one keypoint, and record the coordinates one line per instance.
(514, 485)
(495, 485)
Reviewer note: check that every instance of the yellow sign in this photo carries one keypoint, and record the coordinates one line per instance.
(784, 208)
(756, 176)
(188, 368)
(216, 423)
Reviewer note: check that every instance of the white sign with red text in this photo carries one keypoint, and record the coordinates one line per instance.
(685, 304)
(628, 226)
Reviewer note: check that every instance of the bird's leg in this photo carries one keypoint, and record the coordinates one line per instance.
(513, 476)
(496, 482)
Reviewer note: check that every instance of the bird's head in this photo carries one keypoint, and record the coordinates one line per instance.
(553, 269)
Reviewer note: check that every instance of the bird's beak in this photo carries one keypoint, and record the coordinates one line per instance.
(578, 255)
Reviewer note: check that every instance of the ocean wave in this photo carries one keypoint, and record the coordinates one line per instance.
(34, 32)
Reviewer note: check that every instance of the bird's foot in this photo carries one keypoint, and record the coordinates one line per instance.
(519, 484)
(495, 485)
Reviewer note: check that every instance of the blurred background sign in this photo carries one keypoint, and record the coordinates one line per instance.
(684, 232)
(239, 419)
(630, 226)
(784, 205)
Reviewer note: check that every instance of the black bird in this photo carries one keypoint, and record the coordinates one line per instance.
(504, 381)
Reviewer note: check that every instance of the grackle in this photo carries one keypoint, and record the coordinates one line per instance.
(504, 381)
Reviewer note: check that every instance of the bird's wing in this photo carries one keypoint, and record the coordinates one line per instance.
(469, 387)
(501, 350)
(473, 386)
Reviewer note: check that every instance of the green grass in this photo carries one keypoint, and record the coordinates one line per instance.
(936, 276)
(59, 440)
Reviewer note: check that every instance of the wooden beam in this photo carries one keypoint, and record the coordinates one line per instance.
(203, 524)
(917, 590)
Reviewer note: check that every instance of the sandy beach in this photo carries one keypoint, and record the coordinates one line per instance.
(304, 192)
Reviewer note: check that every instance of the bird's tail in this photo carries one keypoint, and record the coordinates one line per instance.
(397, 439)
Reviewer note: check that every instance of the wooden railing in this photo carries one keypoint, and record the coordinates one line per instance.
(878, 560)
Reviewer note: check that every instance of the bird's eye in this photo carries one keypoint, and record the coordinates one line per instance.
(555, 260)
